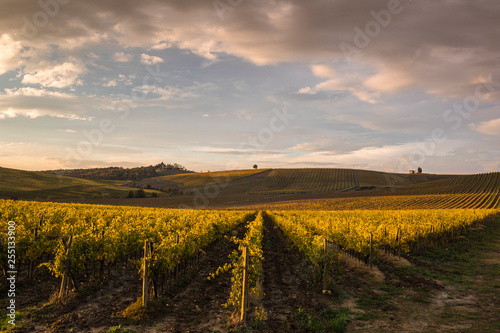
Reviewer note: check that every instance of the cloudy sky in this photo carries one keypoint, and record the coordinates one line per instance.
(382, 85)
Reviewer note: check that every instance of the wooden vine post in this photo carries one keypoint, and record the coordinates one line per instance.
(399, 243)
(64, 283)
(418, 238)
(145, 282)
(244, 292)
(30, 267)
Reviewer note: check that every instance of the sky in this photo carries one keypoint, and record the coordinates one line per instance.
(226, 84)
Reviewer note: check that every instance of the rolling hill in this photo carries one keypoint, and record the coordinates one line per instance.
(469, 191)
(20, 184)
(286, 181)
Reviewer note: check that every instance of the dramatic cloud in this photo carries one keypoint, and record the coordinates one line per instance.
(178, 73)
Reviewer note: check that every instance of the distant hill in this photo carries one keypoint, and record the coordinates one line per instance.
(287, 181)
(20, 184)
(119, 173)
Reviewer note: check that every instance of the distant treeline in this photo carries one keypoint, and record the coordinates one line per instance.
(119, 173)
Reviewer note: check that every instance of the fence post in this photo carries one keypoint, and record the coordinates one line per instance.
(64, 283)
(244, 293)
(145, 275)
(325, 249)
(418, 238)
(371, 250)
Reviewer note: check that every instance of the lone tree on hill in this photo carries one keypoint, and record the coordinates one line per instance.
(255, 166)
(419, 170)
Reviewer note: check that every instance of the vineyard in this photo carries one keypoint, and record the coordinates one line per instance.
(209, 178)
(77, 243)
(472, 192)
(101, 237)
(307, 180)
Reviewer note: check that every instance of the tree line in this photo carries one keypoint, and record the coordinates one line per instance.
(119, 173)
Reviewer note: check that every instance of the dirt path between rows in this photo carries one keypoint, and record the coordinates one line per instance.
(286, 285)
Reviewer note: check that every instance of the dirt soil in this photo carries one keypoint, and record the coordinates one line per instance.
(287, 285)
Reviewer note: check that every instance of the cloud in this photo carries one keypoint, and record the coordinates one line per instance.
(243, 114)
(56, 75)
(388, 80)
(122, 57)
(29, 91)
(161, 46)
(10, 57)
(491, 127)
(150, 60)
(422, 46)
(33, 103)
(352, 83)
(231, 151)
(386, 157)
(308, 147)
(323, 71)
(167, 93)
(111, 83)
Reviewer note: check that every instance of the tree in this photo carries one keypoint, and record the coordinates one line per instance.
(255, 166)
(419, 170)
(140, 193)
(130, 194)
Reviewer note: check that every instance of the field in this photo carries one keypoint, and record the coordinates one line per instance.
(330, 250)
(288, 181)
(36, 185)
(209, 178)
(475, 191)
(286, 254)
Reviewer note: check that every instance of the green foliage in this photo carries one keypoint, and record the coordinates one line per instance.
(336, 320)
(253, 240)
